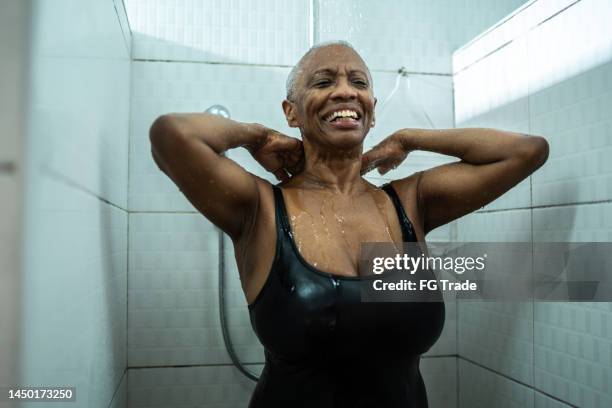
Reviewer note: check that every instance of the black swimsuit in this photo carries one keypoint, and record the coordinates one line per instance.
(324, 347)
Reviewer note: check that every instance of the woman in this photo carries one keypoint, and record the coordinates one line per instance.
(297, 244)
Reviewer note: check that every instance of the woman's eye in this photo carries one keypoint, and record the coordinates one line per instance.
(323, 83)
(360, 82)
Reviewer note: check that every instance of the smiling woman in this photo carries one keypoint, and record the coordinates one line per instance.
(297, 243)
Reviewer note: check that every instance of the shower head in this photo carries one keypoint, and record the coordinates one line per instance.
(219, 110)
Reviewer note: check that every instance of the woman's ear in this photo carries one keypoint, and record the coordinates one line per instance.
(289, 109)
(374, 113)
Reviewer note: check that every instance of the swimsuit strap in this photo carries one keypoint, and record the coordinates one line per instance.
(407, 228)
(282, 219)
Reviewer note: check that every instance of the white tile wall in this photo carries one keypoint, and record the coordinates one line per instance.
(121, 394)
(573, 346)
(80, 96)
(440, 377)
(544, 401)
(574, 115)
(221, 386)
(573, 352)
(481, 388)
(565, 47)
(498, 226)
(497, 86)
(126, 30)
(574, 92)
(522, 19)
(240, 31)
(498, 335)
(418, 35)
(173, 309)
(78, 28)
(74, 291)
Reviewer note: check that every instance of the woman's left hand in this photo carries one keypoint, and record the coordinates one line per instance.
(385, 156)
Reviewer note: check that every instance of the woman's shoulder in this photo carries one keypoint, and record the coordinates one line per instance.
(407, 185)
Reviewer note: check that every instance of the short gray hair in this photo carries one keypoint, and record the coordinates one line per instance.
(293, 74)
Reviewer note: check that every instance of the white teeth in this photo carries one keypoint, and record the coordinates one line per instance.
(343, 114)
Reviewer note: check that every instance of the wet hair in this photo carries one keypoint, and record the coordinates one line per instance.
(297, 69)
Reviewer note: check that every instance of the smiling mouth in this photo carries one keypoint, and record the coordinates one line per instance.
(343, 116)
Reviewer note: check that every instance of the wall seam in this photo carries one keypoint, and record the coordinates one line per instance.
(514, 380)
(67, 181)
(246, 64)
(125, 40)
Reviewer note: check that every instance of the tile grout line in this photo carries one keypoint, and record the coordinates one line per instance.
(507, 377)
(258, 65)
(255, 363)
(127, 273)
(56, 176)
(542, 206)
(125, 41)
(110, 404)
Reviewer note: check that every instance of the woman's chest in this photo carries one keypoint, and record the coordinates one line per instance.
(330, 237)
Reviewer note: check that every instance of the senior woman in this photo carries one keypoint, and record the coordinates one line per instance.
(297, 243)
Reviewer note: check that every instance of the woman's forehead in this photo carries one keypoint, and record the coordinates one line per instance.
(332, 58)
(330, 63)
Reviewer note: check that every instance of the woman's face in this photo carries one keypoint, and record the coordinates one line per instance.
(333, 101)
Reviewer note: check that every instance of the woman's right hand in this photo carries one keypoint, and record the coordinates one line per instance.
(280, 154)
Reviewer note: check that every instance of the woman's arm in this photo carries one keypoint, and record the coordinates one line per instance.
(188, 148)
(492, 162)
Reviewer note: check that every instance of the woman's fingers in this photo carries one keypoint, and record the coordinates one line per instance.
(282, 175)
(372, 159)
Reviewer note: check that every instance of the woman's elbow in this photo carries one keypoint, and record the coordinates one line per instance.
(162, 128)
(534, 151)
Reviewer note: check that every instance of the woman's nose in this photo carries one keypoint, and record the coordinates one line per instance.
(344, 90)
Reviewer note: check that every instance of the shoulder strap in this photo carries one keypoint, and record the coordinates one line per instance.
(282, 219)
(407, 228)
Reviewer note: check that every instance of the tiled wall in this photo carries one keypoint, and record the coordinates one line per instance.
(543, 72)
(74, 278)
(420, 35)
